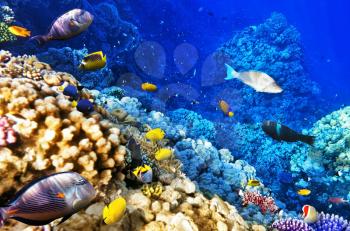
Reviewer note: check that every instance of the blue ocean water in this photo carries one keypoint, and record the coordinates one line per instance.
(182, 47)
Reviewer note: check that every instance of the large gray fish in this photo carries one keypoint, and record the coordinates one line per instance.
(49, 198)
(260, 81)
(281, 132)
(67, 26)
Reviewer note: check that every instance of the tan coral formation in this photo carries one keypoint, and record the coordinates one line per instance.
(53, 135)
(179, 208)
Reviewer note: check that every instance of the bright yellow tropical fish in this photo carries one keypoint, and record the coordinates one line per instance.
(114, 211)
(163, 154)
(254, 183)
(155, 134)
(19, 31)
(304, 192)
(93, 61)
(148, 87)
(144, 173)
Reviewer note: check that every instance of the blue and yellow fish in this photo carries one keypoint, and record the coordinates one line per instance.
(69, 90)
(84, 106)
(49, 198)
(144, 173)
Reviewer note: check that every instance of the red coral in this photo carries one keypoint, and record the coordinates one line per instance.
(265, 203)
(7, 134)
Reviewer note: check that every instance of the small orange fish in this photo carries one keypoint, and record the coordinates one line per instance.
(337, 200)
(19, 31)
(225, 108)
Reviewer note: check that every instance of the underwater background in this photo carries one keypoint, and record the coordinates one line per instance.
(183, 48)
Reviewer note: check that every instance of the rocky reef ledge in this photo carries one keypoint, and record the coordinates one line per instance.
(43, 133)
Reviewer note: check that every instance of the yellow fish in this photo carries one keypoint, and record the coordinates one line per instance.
(144, 173)
(148, 87)
(304, 192)
(225, 108)
(155, 134)
(254, 183)
(163, 154)
(114, 211)
(93, 61)
(19, 31)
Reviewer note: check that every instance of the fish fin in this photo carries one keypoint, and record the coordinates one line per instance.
(3, 215)
(41, 39)
(308, 139)
(230, 72)
(135, 150)
(32, 222)
(65, 218)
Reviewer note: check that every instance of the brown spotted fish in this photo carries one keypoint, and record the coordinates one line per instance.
(67, 26)
(49, 198)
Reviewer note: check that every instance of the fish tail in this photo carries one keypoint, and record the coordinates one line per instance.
(3, 216)
(41, 39)
(230, 72)
(308, 139)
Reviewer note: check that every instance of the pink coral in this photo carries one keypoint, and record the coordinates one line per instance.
(265, 203)
(7, 134)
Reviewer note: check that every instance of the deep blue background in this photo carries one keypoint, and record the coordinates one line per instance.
(323, 24)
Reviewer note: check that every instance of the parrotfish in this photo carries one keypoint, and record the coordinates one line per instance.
(260, 81)
(93, 61)
(67, 26)
(281, 132)
(49, 198)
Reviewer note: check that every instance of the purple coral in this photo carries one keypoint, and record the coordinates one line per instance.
(291, 225)
(331, 222)
(7, 134)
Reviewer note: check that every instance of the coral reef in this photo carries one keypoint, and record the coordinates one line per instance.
(265, 203)
(7, 134)
(330, 222)
(54, 136)
(197, 127)
(214, 170)
(179, 207)
(273, 47)
(291, 225)
(6, 15)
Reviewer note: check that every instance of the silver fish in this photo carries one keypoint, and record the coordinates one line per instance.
(49, 198)
(67, 26)
(260, 81)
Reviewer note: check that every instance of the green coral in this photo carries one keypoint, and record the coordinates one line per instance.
(5, 34)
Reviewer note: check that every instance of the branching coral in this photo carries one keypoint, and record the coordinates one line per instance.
(291, 225)
(330, 222)
(7, 15)
(264, 202)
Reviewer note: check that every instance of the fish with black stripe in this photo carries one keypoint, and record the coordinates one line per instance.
(281, 132)
(48, 198)
(93, 61)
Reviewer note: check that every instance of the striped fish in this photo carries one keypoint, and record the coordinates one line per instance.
(49, 198)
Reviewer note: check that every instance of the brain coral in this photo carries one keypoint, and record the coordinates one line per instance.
(53, 136)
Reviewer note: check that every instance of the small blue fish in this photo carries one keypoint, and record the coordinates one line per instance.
(71, 91)
(49, 198)
(84, 106)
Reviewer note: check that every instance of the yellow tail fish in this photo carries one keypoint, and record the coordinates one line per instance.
(114, 211)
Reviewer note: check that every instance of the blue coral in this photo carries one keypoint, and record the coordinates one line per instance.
(196, 125)
(330, 222)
